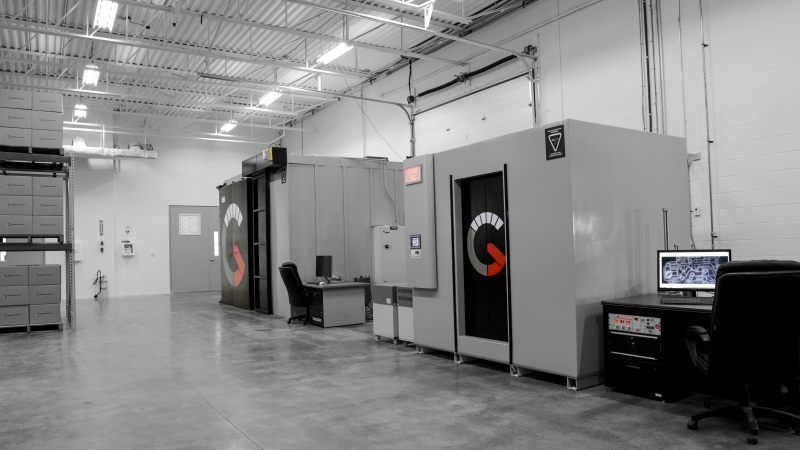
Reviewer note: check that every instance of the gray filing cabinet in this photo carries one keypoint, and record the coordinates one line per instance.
(384, 311)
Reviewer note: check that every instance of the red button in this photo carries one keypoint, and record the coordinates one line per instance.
(658, 326)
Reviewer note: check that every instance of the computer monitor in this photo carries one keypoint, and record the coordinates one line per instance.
(689, 270)
(325, 266)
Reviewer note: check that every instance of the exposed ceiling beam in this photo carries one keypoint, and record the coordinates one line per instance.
(305, 34)
(408, 6)
(346, 12)
(435, 23)
(190, 119)
(174, 75)
(77, 69)
(54, 30)
(155, 101)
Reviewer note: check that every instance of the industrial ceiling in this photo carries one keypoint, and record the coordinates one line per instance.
(201, 63)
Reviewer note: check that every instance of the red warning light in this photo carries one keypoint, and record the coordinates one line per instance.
(413, 175)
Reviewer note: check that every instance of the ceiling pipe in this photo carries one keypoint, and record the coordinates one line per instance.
(109, 153)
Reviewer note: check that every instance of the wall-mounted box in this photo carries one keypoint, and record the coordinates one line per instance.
(45, 314)
(15, 137)
(15, 118)
(15, 185)
(47, 120)
(10, 98)
(48, 186)
(14, 315)
(47, 226)
(15, 225)
(44, 294)
(14, 276)
(44, 206)
(16, 205)
(47, 139)
(43, 101)
(14, 295)
(43, 274)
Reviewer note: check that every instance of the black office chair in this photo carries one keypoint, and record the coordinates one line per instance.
(299, 295)
(754, 337)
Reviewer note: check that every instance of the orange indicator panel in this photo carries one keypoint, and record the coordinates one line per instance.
(413, 175)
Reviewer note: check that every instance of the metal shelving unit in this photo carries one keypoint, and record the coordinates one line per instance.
(33, 164)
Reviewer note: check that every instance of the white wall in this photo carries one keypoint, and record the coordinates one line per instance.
(137, 193)
(591, 70)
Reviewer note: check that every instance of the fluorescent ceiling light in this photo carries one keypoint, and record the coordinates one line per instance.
(335, 52)
(91, 75)
(227, 126)
(105, 13)
(80, 111)
(269, 98)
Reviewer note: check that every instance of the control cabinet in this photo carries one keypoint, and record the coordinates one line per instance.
(645, 348)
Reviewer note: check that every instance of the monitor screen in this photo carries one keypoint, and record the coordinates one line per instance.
(690, 269)
(325, 266)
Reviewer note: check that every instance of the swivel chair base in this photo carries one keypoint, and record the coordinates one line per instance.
(302, 316)
(746, 409)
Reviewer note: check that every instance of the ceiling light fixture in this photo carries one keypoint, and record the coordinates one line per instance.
(269, 98)
(227, 126)
(91, 75)
(105, 14)
(80, 111)
(335, 52)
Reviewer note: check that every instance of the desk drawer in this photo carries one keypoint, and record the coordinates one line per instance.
(636, 377)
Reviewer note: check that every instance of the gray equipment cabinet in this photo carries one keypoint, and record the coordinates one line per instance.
(51, 176)
(513, 242)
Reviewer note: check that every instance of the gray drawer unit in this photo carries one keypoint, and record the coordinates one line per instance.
(45, 314)
(16, 205)
(15, 315)
(15, 185)
(48, 186)
(10, 98)
(14, 276)
(47, 139)
(47, 120)
(44, 274)
(15, 118)
(47, 226)
(16, 225)
(45, 294)
(14, 295)
(15, 137)
(43, 101)
(45, 206)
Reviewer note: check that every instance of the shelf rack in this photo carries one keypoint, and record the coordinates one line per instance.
(34, 164)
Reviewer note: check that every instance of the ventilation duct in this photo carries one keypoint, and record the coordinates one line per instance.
(108, 153)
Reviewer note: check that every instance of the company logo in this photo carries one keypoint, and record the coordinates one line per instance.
(487, 219)
(234, 278)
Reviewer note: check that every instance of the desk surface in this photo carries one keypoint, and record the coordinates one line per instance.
(336, 285)
(653, 301)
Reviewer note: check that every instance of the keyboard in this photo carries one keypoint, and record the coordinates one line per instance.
(679, 300)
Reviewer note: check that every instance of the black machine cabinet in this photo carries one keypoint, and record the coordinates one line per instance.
(645, 347)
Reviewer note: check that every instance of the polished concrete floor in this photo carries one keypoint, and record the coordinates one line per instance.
(184, 372)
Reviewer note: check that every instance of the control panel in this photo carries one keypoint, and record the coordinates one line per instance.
(634, 324)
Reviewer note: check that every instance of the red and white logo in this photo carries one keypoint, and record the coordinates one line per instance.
(487, 219)
(234, 278)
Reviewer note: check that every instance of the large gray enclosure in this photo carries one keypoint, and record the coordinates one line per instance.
(328, 206)
(582, 227)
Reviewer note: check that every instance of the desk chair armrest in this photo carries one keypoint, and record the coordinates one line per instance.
(699, 343)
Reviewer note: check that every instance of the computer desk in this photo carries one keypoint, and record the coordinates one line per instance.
(655, 365)
(340, 303)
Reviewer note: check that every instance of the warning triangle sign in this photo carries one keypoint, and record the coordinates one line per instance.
(555, 140)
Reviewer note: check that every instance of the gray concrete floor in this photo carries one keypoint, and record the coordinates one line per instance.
(184, 372)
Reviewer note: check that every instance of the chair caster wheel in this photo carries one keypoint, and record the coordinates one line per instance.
(378, 338)
(692, 424)
(752, 440)
(289, 321)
